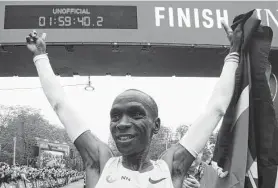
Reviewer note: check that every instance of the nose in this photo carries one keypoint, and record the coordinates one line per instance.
(124, 123)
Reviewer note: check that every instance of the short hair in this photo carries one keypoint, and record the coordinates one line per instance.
(153, 104)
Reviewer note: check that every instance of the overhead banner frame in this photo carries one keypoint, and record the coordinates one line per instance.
(132, 23)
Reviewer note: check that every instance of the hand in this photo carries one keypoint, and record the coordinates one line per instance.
(235, 37)
(36, 44)
(219, 170)
(191, 182)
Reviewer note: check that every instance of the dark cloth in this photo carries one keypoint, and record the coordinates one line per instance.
(248, 136)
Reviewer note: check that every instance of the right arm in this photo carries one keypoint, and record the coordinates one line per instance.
(93, 151)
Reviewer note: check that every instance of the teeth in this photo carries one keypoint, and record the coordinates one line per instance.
(125, 137)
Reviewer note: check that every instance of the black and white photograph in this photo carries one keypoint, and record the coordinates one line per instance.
(138, 94)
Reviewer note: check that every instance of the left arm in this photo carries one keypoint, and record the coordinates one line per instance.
(202, 128)
(181, 156)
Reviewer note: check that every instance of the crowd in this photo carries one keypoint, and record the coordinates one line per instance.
(52, 176)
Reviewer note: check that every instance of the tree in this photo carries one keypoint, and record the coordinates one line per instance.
(181, 130)
(161, 142)
(25, 124)
(209, 148)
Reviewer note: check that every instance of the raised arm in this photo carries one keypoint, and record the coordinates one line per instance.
(197, 136)
(94, 152)
(203, 127)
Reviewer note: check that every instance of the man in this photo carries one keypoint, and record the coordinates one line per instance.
(134, 120)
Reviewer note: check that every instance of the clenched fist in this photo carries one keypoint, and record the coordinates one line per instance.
(36, 44)
(235, 37)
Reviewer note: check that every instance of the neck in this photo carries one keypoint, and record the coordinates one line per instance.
(138, 161)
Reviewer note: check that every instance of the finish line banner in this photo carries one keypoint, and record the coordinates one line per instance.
(185, 22)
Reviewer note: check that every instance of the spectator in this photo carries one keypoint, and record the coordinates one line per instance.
(49, 175)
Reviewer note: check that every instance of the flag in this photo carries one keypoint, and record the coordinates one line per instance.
(263, 130)
(245, 138)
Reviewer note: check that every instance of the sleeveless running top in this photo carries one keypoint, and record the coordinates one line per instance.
(115, 175)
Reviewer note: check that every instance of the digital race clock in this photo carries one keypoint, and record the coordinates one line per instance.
(70, 16)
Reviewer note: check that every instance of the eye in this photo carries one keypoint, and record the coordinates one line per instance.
(138, 115)
(115, 117)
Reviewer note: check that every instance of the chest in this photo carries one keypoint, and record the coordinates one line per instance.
(133, 180)
(121, 177)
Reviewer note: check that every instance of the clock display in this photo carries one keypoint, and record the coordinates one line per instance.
(70, 16)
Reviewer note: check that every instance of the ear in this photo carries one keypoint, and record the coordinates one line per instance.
(156, 126)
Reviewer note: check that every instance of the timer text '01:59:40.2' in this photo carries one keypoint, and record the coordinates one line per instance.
(70, 21)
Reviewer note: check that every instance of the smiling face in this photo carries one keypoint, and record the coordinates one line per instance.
(134, 119)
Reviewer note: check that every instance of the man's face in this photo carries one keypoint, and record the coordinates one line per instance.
(132, 122)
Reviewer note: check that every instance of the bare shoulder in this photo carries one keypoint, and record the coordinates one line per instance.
(93, 151)
(179, 160)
